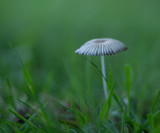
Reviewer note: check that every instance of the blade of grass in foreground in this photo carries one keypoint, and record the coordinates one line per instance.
(14, 128)
(11, 97)
(74, 110)
(123, 122)
(27, 105)
(21, 117)
(105, 111)
(150, 120)
(155, 102)
(34, 114)
(128, 86)
(114, 94)
(133, 122)
(26, 73)
(58, 102)
(25, 120)
(30, 84)
(155, 115)
(151, 116)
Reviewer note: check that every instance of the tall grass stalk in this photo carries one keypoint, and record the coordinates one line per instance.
(128, 87)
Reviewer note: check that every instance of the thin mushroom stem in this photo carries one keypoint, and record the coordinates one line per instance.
(104, 74)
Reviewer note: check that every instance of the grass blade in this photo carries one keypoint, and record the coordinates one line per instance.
(31, 117)
(133, 122)
(155, 102)
(105, 111)
(25, 120)
(27, 105)
(29, 81)
(128, 86)
(26, 73)
(150, 120)
(21, 117)
(155, 115)
(14, 128)
(11, 97)
(123, 122)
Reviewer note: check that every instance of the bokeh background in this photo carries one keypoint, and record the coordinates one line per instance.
(45, 34)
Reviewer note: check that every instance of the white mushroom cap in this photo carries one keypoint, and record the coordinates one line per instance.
(101, 47)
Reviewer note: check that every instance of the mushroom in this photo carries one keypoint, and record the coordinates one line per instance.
(102, 47)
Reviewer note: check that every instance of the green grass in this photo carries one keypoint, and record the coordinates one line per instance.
(46, 88)
(79, 116)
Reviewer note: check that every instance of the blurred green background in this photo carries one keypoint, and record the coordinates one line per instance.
(45, 34)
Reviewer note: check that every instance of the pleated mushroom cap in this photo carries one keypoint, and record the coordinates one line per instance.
(101, 47)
